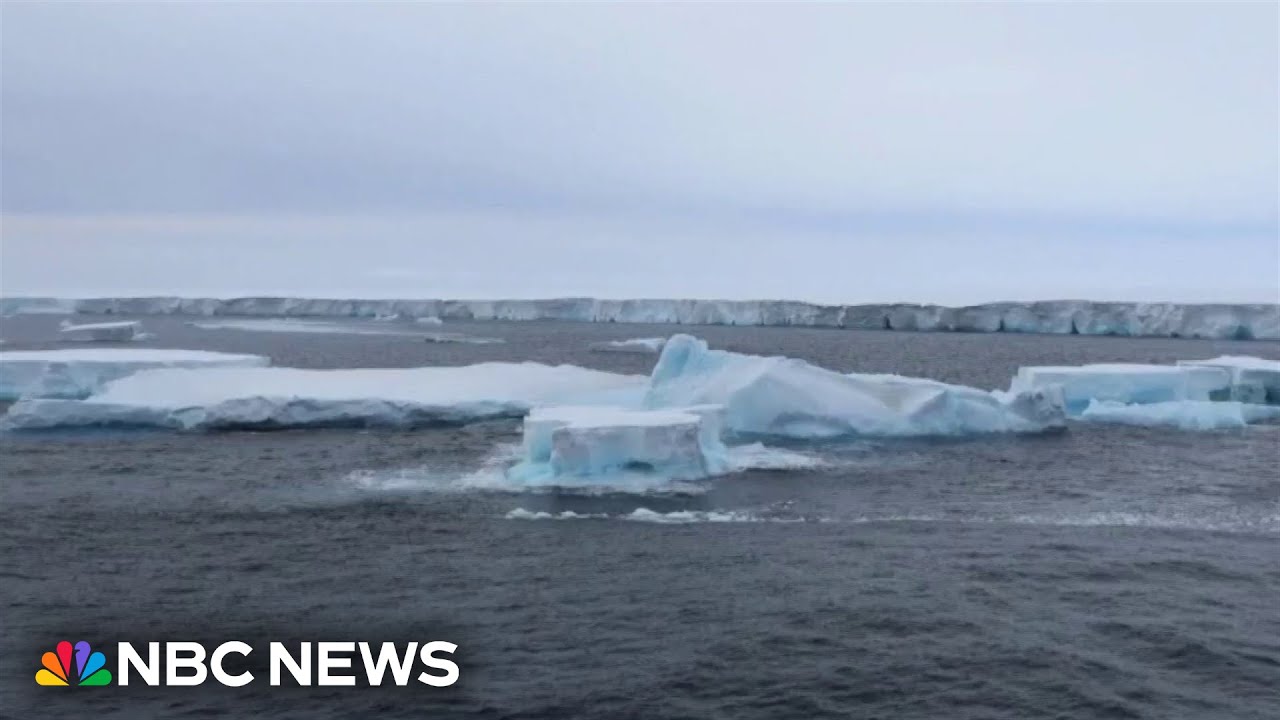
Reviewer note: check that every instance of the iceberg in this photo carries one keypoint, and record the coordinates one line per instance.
(1182, 414)
(1253, 380)
(78, 373)
(643, 346)
(565, 443)
(1219, 321)
(101, 332)
(1125, 383)
(776, 396)
(270, 398)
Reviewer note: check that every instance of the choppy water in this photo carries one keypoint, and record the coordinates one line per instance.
(1102, 572)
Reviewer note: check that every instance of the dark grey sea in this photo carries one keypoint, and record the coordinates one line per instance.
(1101, 572)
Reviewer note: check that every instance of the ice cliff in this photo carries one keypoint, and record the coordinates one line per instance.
(1226, 321)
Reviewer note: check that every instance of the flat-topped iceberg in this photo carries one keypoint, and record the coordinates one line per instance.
(79, 372)
(266, 398)
(1225, 321)
(776, 396)
(1125, 383)
(101, 332)
(642, 346)
(567, 443)
(1253, 380)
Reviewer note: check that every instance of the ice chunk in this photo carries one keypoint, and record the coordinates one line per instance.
(101, 332)
(1125, 383)
(429, 320)
(634, 345)
(791, 398)
(77, 373)
(288, 397)
(1253, 380)
(1184, 414)
(586, 442)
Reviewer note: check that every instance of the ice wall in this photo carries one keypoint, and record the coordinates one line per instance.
(1241, 321)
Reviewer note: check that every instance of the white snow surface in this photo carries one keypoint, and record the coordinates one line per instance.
(101, 332)
(289, 397)
(79, 372)
(1125, 383)
(1253, 379)
(634, 345)
(1182, 414)
(776, 396)
(1227, 321)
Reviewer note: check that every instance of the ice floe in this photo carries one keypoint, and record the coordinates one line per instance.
(776, 396)
(101, 332)
(220, 398)
(80, 372)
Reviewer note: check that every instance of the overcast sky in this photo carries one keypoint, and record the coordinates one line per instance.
(833, 152)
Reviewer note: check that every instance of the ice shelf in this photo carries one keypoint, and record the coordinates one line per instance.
(1224, 321)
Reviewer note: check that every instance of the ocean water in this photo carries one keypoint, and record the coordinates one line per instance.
(1101, 572)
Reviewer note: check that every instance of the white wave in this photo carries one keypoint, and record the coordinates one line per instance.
(645, 515)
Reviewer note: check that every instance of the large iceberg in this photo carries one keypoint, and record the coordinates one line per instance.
(266, 398)
(1223, 321)
(1253, 380)
(101, 332)
(77, 373)
(776, 396)
(1125, 383)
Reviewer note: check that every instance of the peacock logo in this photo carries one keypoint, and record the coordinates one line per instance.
(90, 666)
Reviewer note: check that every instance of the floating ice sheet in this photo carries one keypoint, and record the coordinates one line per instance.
(290, 397)
(101, 332)
(79, 372)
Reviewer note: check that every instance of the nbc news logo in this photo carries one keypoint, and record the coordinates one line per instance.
(189, 664)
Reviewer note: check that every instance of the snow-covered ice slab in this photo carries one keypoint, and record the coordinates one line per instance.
(289, 397)
(586, 442)
(791, 398)
(1126, 383)
(1253, 379)
(633, 345)
(1182, 414)
(101, 332)
(79, 372)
